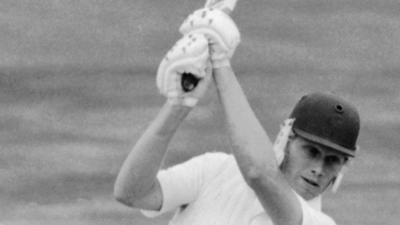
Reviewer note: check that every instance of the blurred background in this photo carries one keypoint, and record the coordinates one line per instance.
(77, 88)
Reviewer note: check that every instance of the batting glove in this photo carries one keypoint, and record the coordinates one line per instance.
(220, 30)
(224, 5)
(185, 71)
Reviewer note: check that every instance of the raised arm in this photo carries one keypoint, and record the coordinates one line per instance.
(136, 184)
(251, 145)
(253, 151)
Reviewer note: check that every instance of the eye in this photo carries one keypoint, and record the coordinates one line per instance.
(333, 160)
(312, 152)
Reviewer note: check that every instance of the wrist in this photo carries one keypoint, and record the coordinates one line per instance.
(184, 102)
(169, 118)
(177, 105)
(221, 63)
(225, 71)
(223, 78)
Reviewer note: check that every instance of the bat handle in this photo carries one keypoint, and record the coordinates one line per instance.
(189, 82)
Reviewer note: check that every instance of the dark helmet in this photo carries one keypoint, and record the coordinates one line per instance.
(327, 120)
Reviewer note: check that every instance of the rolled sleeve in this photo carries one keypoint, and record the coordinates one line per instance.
(182, 183)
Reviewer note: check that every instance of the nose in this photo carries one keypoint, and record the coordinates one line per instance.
(317, 168)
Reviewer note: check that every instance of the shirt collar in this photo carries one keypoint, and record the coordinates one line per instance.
(316, 203)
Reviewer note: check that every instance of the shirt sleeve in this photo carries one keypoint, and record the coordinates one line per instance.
(312, 216)
(182, 183)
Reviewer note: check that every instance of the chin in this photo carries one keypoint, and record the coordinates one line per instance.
(306, 193)
(307, 196)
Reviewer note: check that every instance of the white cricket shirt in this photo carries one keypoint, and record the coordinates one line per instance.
(210, 190)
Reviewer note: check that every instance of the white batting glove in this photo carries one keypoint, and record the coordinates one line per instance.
(224, 5)
(220, 30)
(183, 74)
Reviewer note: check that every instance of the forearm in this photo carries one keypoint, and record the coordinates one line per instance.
(253, 151)
(138, 173)
(251, 145)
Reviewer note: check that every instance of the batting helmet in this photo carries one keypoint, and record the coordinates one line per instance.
(327, 120)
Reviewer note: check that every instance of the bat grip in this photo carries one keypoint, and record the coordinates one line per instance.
(189, 82)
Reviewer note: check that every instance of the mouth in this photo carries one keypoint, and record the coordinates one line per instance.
(311, 182)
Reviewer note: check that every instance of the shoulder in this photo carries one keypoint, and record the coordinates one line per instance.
(216, 156)
(206, 163)
(211, 158)
(212, 163)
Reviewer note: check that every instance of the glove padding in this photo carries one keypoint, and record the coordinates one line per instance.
(189, 55)
(220, 30)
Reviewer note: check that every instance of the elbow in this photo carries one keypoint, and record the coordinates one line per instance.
(252, 176)
(123, 200)
(131, 195)
(121, 195)
(256, 177)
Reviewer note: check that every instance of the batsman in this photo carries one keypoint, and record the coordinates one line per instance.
(260, 182)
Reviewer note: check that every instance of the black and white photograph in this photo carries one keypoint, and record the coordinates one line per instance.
(184, 112)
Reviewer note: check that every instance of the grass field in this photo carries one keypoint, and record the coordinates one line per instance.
(77, 89)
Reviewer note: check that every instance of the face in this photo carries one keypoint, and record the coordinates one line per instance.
(310, 167)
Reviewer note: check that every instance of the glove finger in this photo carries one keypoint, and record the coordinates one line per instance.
(164, 70)
(160, 76)
(174, 89)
